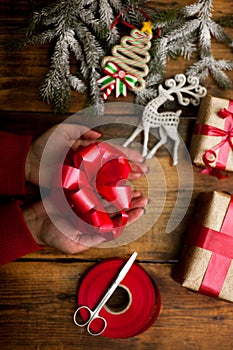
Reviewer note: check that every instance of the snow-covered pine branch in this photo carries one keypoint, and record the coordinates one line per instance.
(81, 28)
(190, 31)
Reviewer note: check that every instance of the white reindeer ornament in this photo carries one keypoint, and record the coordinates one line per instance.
(167, 122)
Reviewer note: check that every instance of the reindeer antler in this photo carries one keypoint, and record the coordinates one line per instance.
(177, 86)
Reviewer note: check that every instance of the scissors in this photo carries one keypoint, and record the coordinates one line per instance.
(94, 314)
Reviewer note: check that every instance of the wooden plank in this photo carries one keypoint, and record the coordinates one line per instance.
(38, 293)
(38, 301)
(155, 242)
(148, 236)
(25, 70)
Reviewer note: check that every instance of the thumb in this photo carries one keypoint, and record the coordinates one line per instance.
(88, 136)
(76, 131)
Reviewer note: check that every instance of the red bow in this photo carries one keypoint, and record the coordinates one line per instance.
(223, 146)
(97, 174)
(220, 243)
(224, 113)
(226, 138)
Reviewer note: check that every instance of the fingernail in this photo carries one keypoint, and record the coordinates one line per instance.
(141, 159)
(137, 193)
(138, 175)
(99, 132)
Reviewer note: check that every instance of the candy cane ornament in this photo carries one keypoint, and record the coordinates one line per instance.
(108, 91)
(127, 67)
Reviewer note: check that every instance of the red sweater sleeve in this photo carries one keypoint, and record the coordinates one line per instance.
(16, 239)
(13, 152)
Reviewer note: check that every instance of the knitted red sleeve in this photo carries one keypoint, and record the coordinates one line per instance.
(13, 152)
(15, 238)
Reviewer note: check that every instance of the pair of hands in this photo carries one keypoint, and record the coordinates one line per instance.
(64, 137)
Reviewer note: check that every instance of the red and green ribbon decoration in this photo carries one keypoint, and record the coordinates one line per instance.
(93, 179)
(117, 77)
(224, 146)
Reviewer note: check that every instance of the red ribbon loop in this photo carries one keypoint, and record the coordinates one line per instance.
(98, 172)
(223, 146)
(118, 20)
(226, 138)
(224, 113)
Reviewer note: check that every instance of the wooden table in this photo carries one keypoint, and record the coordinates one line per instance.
(38, 292)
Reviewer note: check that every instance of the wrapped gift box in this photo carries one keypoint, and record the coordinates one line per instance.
(212, 140)
(206, 263)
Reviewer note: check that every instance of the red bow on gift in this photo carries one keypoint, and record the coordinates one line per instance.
(96, 174)
(224, 113)
(224, 146)
(220, 243)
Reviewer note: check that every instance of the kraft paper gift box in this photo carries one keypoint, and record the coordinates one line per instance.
(212, 139)
(206, 263)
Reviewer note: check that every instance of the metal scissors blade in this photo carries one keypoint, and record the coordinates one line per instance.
(94, 314)
(125, 269)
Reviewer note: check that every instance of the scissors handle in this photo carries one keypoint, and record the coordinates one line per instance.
(92, 319)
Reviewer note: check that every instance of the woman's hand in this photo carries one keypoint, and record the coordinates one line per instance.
(62, 137)
(46, 233)
(50, 150)
(57, 141)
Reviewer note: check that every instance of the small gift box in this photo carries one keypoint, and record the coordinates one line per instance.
(212, 140)
(206, 263)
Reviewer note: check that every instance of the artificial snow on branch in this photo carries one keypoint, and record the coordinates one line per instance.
(83, 31)
(80, 28)
(206, 28)
(189, 31)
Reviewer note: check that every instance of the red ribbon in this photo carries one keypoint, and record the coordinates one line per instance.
(143, 309)
(96, 173)
(120, 74)
(220, 243)
(118, 20)
(224, 146)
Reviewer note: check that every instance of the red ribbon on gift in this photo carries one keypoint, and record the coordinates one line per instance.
(220, 243)
(97, 173)
(224, 146)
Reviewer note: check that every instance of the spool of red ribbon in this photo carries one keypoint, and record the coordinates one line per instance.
(144, 301)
